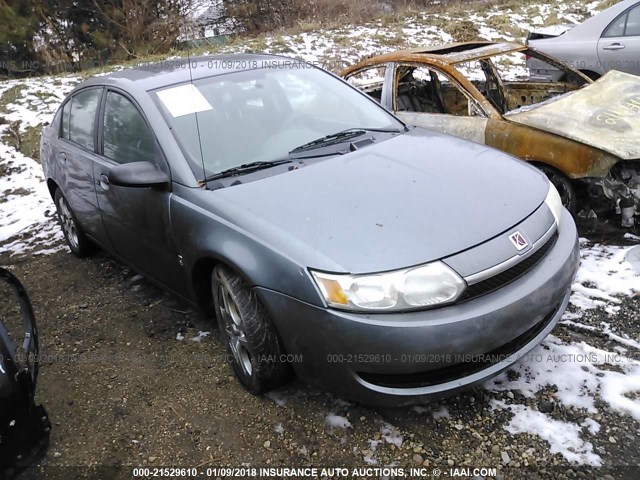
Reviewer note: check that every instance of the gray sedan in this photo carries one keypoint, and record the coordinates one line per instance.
(385, 263)
(607, 41)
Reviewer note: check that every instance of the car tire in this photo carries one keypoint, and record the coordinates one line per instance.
(77, 241)
(255, 352)
(564, 187)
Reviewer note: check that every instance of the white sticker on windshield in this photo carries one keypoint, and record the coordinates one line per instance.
(184, 100)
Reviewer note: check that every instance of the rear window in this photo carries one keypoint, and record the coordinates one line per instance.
(626, 25)
(66, 114)
(83, 116)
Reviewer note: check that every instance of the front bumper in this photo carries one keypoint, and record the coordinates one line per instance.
(397, 359)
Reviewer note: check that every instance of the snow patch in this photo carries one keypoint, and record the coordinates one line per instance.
(603, 276)
(391, 435)
(336, 421)
(564, 438)
(201, 336)
(578, 372)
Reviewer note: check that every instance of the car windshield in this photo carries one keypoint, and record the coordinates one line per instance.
(262, 115)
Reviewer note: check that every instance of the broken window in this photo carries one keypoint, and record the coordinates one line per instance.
(425, 90)
(504, 80)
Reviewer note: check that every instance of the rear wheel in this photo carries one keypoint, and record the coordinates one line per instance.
(563, 185)
(77, 241)
(257, 356)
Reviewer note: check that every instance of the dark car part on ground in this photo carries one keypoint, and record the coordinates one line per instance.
(24, 426)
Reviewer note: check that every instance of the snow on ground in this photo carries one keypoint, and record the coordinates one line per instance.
(581, 373)
(27, 209)
(603, 276)
(391, 434)
(27, 223)
(336, 421)
(563, 438)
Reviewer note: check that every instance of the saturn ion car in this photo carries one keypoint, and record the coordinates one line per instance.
(391, 264)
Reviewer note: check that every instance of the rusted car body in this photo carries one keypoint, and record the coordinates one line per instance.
(577, 131)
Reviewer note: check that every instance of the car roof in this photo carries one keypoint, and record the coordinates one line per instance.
(590, 27)
(152, 75)
(451, 53)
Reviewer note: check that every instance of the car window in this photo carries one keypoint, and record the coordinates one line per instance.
(616, 29)
(421, 89)
(83, 115)
(633, 22)
(66, 114)
(126, 135)
(370, 81)
(227, 120)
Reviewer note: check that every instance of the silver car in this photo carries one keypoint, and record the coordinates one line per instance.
(382, 262)
(607, 41)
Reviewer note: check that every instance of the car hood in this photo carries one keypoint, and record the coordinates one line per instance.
(604, 114)
(414, 198)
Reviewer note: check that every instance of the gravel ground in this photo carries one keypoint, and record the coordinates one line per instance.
(121, 390)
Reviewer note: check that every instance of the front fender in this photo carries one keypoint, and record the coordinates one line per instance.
(202, 234)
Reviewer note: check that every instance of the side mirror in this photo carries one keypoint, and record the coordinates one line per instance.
(138, 175)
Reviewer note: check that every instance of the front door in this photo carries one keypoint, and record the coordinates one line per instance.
(137, 220)
(429, 99)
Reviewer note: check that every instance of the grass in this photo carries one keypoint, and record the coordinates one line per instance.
(606, 4)
(27, 141)
(463, 31)
(11, 95)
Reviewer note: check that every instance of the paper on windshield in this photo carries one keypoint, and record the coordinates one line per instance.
(184, 100)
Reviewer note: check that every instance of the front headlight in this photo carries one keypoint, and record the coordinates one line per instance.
(412, 288)
(554, 202)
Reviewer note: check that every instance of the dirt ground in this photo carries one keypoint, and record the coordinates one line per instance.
(122, 391)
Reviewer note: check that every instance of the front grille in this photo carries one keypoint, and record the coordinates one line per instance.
(504, 278)
(471, 364)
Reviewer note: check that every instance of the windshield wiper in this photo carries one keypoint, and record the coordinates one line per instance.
(340, 137)
(244, 168)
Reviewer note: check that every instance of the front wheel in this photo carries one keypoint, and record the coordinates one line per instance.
(257, 356)
(563, 185)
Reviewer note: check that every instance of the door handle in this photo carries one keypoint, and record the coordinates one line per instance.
(614, 46)
(104, 182)
(61, 156)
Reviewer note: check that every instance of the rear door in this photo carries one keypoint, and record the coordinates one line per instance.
(137, 220)
(619, 45)
(75, 154)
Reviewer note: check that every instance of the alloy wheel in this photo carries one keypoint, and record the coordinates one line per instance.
(68, 224)
(234, 329)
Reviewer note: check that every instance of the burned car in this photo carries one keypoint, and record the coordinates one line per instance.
(583, 135)
(324, 235)
(24, 426)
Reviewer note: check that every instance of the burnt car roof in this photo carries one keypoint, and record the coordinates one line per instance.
(450, 53)
(152, 75)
